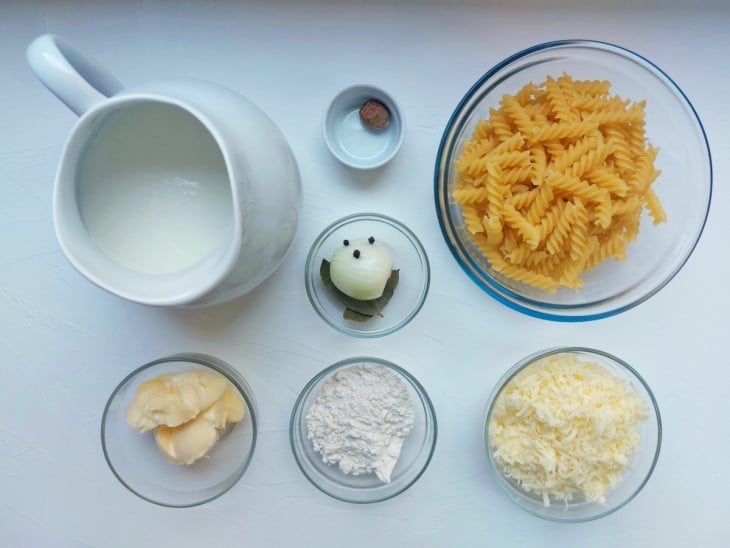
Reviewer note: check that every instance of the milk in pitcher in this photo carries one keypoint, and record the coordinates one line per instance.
(153, 189)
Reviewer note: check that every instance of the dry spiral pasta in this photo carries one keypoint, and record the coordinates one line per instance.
(555, 180)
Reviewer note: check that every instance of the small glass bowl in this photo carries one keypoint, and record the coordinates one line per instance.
(415, 454)
(409, 257)
(141, 467)
(641, 464)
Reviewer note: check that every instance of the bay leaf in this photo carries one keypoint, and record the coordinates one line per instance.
(355, 309)
(350, 314)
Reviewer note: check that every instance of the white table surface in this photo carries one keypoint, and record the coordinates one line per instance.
(65, 344)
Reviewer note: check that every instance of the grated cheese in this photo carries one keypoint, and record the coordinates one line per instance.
(564, 427)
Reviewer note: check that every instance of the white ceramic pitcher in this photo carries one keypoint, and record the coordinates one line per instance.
(171, 193)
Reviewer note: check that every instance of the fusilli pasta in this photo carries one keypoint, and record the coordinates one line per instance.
(554, 181)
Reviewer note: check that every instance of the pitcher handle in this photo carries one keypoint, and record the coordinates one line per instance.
(76, 80)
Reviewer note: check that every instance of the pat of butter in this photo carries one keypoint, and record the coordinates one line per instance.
(187, 411)
(192, 440)
(174, 398)
(229, 408)
(188, 442)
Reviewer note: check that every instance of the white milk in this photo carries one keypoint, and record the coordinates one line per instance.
(153, 189)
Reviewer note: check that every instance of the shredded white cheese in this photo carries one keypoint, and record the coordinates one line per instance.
(563, 427)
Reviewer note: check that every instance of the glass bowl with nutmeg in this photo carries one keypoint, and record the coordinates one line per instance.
(363, 127)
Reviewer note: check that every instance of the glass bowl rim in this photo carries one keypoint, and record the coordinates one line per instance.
(357, 360)
(310, 269)
(506, 296)
(193, 358)
(538, 355)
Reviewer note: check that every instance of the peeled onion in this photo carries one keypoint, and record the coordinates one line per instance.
(360, 269)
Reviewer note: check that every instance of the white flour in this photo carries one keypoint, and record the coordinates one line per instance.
(360, 419)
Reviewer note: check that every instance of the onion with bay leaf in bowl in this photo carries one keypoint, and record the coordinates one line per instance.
(391, 275)
(362, 277)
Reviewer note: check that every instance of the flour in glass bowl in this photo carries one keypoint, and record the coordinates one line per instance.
(359, 420)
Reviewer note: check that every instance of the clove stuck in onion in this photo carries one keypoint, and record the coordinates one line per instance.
(360, 269)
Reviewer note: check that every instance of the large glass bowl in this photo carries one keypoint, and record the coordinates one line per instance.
(641, 463)
(684, 186)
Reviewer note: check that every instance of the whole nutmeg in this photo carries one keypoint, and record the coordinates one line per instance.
(374, 114)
